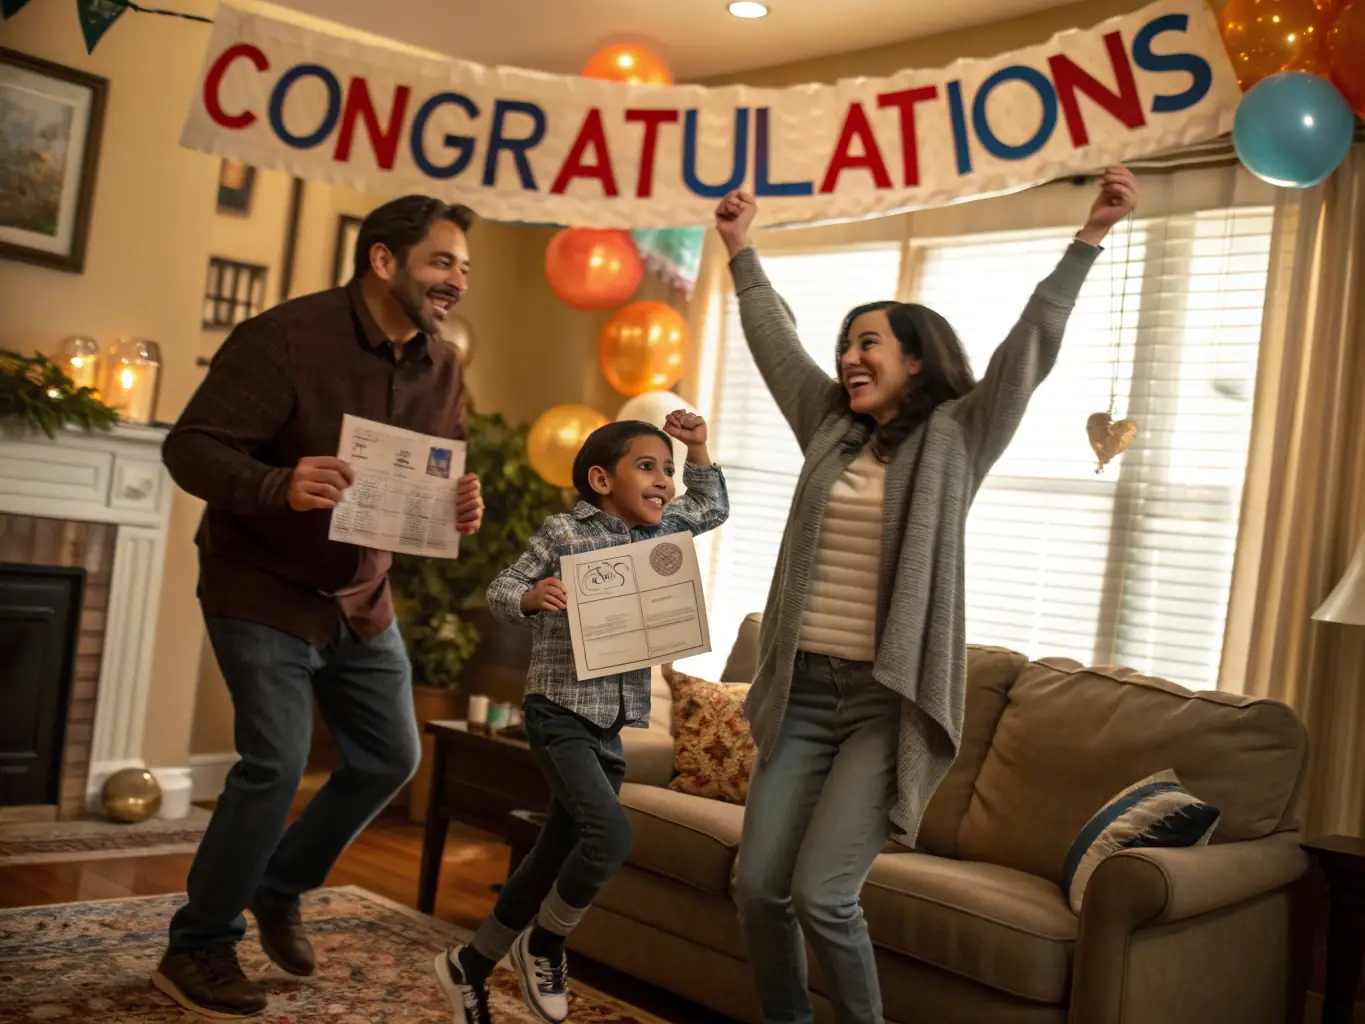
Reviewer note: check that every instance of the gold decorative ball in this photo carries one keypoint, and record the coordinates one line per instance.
(131, 795)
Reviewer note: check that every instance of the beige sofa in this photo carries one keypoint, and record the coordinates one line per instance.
(973, 927)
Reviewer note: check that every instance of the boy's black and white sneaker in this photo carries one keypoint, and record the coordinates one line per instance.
(544, 980)
(468, 1000)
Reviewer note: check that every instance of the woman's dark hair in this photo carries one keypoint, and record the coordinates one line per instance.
(401, 223)
(605, 447)
(945, 373)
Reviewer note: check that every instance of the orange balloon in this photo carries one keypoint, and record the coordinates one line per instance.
(1264, 37)
(555, 438)
(1346, 53)
(628, 62)
(590, 269)
(643, 347)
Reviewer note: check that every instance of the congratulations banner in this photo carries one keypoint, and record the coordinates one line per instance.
(525, 146)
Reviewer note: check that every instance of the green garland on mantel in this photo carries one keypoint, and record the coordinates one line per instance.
(35, 392)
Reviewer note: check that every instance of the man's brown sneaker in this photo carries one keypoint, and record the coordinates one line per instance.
(283, 938)
(210, 982)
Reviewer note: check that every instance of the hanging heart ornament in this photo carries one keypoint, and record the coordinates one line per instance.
(1108, 437)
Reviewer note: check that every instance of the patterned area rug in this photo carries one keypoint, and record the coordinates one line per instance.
(89, 839)
(93, 962)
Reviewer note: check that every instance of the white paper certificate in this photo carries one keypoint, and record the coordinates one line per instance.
(403, 498)
(635, 605)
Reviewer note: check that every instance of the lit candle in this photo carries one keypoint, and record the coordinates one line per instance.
(79, 359)
(134, 375)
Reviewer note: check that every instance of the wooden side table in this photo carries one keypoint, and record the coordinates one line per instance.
(1342, 861)
(485, 780)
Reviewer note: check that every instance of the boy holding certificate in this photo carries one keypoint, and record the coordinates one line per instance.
(624, 477)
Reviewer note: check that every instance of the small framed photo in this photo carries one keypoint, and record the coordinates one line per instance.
(235, 183)
(51, 120)
(343, 259)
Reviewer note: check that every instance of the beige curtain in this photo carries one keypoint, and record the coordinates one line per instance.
(1303, 508)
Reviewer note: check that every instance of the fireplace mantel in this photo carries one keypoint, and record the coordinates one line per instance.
(113, 477)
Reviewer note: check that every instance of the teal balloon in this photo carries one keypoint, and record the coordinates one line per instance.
(1292, 129)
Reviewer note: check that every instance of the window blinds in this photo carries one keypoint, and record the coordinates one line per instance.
(1131, 566)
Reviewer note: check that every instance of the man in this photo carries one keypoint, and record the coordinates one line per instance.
(292, 615)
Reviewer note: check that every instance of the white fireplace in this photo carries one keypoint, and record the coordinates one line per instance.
(115, 479)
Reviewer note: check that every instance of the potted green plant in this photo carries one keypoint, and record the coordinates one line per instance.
(441, 605)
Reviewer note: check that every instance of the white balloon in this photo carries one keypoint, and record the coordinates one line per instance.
(654, 407)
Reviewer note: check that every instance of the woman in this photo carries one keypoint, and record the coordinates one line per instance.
(857, 701)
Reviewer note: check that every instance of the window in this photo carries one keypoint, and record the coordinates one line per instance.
(753, 443)
(1131, 566)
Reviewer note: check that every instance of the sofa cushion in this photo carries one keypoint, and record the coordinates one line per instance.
(714, 752)
(991, 672)
(1002, 928)
(1070, 738)
(686, 838)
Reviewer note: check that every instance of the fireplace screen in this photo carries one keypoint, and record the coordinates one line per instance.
(40, 608)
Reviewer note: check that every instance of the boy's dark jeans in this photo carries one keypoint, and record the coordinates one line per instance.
(586, 836)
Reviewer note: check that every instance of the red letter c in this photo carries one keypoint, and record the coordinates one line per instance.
(215, 78)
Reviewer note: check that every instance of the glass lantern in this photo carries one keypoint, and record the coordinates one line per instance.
(79, 358)
(134, 378)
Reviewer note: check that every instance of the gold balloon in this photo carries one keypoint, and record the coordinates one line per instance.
(555, 438)
(459, 334)
(643, 347)
(131, 795)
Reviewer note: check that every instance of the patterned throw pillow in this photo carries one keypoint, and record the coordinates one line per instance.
(1156, 812)
(713, 752)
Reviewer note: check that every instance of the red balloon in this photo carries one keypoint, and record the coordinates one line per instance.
(627, 62)
(593, 270)
(1346, 53)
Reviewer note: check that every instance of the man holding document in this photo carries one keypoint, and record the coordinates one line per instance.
(328, 433)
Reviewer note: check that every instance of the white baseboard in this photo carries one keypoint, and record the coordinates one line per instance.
(209, 772)
(99, 774)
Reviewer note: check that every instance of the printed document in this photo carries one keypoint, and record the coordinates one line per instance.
(403, 498)
(635, 605)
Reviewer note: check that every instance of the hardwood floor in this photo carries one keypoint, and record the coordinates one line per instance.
(383, 859)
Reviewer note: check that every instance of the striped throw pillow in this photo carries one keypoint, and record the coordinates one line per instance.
(1156, 812)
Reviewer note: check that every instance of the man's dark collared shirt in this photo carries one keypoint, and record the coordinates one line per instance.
(274, 394)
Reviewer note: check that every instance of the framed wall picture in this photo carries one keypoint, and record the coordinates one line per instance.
(343, 258)
(51, 120)
(236, 181)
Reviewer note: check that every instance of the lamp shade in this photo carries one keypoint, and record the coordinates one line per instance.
(1346, 603)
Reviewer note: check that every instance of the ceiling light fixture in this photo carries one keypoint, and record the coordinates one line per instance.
(748, 9)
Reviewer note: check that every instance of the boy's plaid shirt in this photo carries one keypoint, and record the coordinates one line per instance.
(587, 528)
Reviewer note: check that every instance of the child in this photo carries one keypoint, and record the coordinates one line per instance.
(624, 477)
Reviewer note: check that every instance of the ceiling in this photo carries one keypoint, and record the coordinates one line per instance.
(696, 38)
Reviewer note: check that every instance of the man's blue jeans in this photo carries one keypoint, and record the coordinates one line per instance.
(364, 691)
